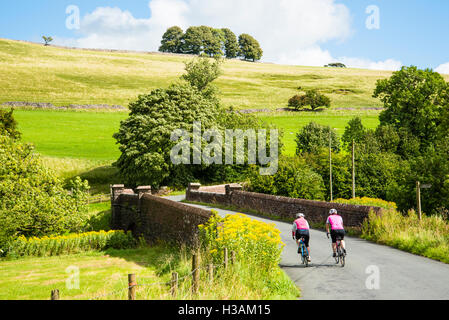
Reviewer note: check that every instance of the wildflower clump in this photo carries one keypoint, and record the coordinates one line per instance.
(253, 241)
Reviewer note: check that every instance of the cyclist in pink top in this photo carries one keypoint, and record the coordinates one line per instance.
(301, 230)
(335, 223)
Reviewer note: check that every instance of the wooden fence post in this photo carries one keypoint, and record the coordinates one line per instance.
(174, 284)
(132, 284)
(55, 294)
(225, 258)
(195, 273)
(232, 257)
(210, 270)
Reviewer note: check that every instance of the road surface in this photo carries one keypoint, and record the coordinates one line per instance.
(372, 271)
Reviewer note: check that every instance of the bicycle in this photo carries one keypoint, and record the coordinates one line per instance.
(304, 252)
(340, 257)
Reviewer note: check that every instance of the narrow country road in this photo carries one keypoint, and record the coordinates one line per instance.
(401, 275)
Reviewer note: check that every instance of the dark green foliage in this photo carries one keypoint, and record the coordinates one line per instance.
(414, 101)
(335, 65)
(314, 137)
(341, 172)
(249, 48)
(294, 179)
(8, 125)
(355, 131)
(172, 40)
(144, 137)
(32, 200)
(312, 99)
(192, 41)
(231, 46)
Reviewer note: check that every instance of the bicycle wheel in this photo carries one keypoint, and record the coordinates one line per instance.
(342, 258)
(306, 258)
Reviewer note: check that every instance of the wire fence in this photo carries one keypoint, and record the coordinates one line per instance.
(133, 284)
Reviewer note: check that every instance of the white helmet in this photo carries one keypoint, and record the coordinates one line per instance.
(333, 211)
(300, 215)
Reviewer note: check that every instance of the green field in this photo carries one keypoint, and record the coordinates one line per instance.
(34, 73)
(88, 135)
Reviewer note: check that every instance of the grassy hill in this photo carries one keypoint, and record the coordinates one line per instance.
(76, 142)
(34, 73)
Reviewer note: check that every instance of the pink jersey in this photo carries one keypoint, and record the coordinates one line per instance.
(336, 222)
(301, 224)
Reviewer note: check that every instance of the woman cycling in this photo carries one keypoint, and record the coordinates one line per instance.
(301, 230)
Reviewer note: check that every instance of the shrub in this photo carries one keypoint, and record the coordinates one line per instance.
(312, 99)
(314, 137)
(365, 201)
(70, 244)
(33, 201)
(8, 125)
(259, 243)
(293, 179)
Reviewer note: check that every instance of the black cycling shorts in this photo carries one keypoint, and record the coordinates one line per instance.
(337, 233)
(303, 234)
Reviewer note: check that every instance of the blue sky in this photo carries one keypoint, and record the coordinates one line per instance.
(308, 32)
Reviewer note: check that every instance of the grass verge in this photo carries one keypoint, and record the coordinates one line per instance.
(105, 274)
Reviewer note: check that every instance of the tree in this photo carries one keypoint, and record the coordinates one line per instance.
(212, 41)
(144, 138)
(414, 101)
(47, 40)
(249, 48)
(335, 65)
(355, 131)
(8, 125)
(32, 200)
(313, 137)
(192, 41)
(172, 40)
(312, 98)
(294, 179)
(201, 72)
(231, 46)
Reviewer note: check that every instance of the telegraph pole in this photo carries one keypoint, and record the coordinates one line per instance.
(353, 169)
(418, 199)
(330, 163)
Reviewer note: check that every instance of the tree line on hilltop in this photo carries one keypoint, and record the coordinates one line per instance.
(204, 40)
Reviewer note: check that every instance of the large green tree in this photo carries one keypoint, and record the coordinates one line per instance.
(249, 48)
(231, 46)
(414, 101)
(172, 40)
(314, 137)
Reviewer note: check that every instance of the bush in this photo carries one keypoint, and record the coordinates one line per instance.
(70, 244)
(312, 99)
(8, 125)
(259, 243)
(365, 201)
(33, 201)
(293, 179)
(314, 137)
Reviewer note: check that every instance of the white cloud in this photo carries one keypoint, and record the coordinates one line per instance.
(389, 64)
(289, 31)
(444, 68)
